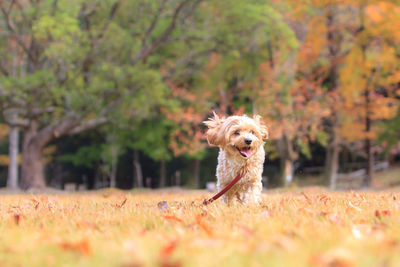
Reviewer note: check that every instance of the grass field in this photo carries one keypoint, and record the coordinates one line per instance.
(116, 228)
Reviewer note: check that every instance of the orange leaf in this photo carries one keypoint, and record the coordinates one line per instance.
(167, 250)
(202, 225)
(379, 214)
(173, 218)
(306, 197)
(386, 212)
(354, 207)
(121, 204)
(324, 199)
(17, 218)
(82, 247)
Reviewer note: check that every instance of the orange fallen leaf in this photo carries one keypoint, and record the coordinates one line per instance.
(354, 206)
(306, 197)
(167, 250)
(173, 218)
(203, 225)
(82, 247)
(324, 199)
(379, 214)
(17, 218)
(121, 204)
(36, 202)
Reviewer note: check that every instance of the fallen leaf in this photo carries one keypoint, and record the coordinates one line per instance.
(354, 206)
(167, 250)
(121, 204)
(324, 199)
(82, 247)
(306, 197)
(173, 218)
(202, 225)
(17, 218)
(163, 206)
(338, 257)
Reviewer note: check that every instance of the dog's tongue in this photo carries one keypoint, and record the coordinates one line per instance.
(245, 152)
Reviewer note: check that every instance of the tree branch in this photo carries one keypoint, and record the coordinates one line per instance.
(98, 121)
(154, 22)
(189, 56)
(110, 18)
(87, 125)
(146, 50)
(40, 111)
(54, 7)
(10, 116)
(55, 130)
(11, 27)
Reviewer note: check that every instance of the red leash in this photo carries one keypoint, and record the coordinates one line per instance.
(223, 191)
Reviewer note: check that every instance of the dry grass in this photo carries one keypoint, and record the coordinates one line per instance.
(115, 228)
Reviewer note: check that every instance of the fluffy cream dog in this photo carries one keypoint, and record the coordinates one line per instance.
(241, 143)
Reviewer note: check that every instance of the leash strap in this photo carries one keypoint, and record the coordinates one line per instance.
(223, 191)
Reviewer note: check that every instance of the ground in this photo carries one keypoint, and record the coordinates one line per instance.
(309, 226)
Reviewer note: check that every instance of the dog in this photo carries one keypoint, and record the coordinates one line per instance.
(241, 142)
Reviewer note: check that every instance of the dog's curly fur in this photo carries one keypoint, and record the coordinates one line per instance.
(237, 156)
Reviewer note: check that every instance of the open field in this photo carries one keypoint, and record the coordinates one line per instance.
(116, 228)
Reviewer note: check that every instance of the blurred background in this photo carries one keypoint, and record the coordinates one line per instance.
(112, 93)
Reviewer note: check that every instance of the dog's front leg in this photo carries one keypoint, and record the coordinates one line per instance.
(253, 194)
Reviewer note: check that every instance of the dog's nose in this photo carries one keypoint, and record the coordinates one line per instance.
(248, 141)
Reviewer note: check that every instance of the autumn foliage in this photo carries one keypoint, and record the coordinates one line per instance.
(143, 75)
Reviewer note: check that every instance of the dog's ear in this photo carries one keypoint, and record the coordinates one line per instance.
(214, 135)
(261, 126)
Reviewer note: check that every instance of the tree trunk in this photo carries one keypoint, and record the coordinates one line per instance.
(332, 163)
(137, 170)
(32, 167)
(332, 155)
(34, 140)
(287, 171)
(12, 180)
(113, 172)
(196, 173)
(57, 180)
(163, 173)
(368, 113)
(332, 151)
(286, 158)
(368, 146)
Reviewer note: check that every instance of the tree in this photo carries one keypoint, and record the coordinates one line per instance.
(221, 78)
(81, 63)
(287, 91)
(369, 79)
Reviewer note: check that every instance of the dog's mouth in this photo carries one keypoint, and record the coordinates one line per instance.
(245, 151)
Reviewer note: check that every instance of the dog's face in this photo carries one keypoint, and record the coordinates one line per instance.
(239, 135)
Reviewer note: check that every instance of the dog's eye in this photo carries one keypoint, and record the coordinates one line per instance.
(252, 132)
(237, 132)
